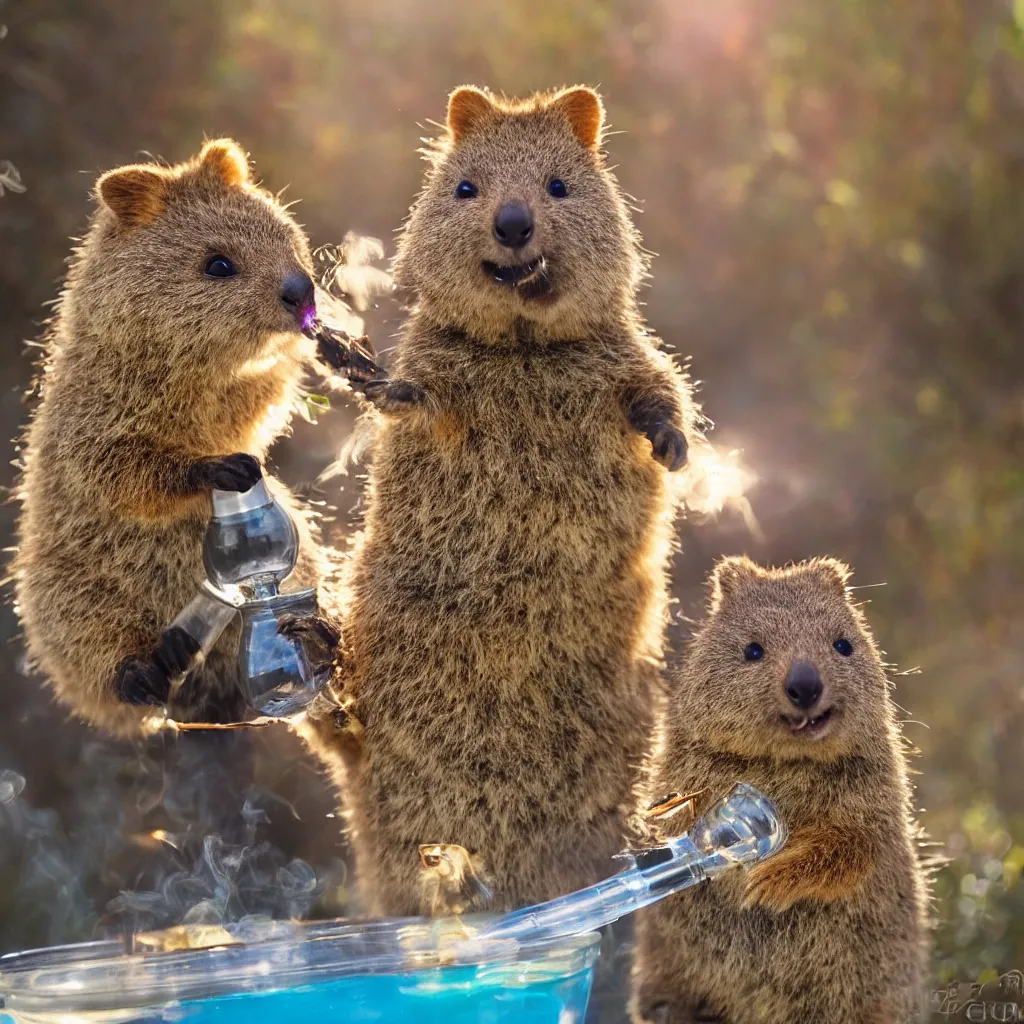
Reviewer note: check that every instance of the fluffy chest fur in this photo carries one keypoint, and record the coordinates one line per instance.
(528, 477)
(508, 608)
(518, 517)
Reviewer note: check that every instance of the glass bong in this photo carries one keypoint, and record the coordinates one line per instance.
(251, 546)
(743, 827)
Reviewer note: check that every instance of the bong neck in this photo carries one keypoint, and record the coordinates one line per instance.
(264, 587)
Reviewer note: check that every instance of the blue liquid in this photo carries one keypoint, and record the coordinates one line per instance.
(500, 994)
(454, 995)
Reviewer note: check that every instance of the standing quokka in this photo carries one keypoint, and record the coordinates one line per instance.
(784, 688)
(508, 598)
(173, 361)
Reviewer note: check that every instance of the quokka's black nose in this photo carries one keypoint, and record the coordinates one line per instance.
(803, 685)
(297, 293)
(513, 225)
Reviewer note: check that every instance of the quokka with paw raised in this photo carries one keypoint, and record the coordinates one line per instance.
(504, 641)
(173, 361)
(783, 687)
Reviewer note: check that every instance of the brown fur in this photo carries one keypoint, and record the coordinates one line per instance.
(150, 366)
(833, 927)
(509, 594)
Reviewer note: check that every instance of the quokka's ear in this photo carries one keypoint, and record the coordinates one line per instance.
(585, 112)
(728, 575)
(468, 108)
(830, 571)
(136, 194)
(225, 160)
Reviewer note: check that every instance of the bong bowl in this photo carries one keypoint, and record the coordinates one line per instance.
(251, 539)
(251, 546)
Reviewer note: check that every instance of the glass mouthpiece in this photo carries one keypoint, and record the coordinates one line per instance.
(744, 827)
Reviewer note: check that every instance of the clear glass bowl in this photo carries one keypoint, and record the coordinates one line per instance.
(250, 537)
(277, 671)
(321, 973)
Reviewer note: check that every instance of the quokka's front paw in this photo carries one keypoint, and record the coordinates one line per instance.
(176, 652)
(825, 863)
(778, 883)
(351, 357)
(334, 715)
(318, 635)
(668, 446)
(140, 682)
(237, 472)
(395, 396)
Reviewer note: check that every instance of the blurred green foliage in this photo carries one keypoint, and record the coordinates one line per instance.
(836, 192)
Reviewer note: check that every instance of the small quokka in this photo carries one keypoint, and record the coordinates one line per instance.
(508, 598)
(783, 687)
(173, 361)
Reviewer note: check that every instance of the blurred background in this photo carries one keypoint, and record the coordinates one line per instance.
(836, 196)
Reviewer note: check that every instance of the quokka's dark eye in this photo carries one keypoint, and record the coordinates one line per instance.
(844, 647)
(753, 652)
(557, 188)
(219, 266)
(465, 190)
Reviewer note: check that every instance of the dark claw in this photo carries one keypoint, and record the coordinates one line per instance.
(238, 472)
(141, 682)
(176, 652)
(317, 634)
(326, 706)
(315, 629)
(352, 357)
(669, 446)
(653, 418)
(667, 798)
(394, 395)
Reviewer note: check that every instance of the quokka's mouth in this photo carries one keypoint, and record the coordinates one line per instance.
(809, 727)
(524, 276)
